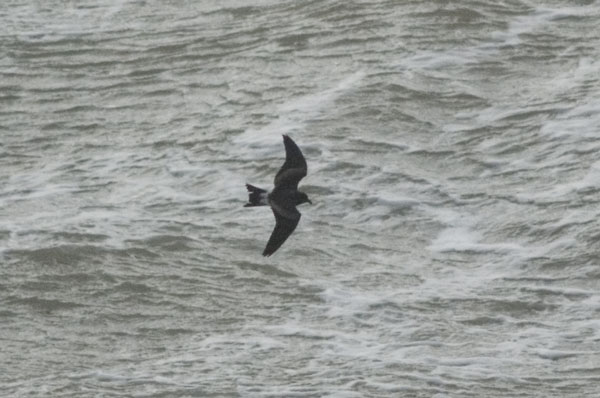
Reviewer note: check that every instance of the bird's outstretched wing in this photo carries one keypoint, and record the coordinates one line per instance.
(286, 220)
(293, 169)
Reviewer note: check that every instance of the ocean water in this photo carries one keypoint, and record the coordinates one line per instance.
(451, 250)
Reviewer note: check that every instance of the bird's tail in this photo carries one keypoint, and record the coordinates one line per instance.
(256, 196)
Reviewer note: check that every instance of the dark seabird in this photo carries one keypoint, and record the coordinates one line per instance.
(284, 197)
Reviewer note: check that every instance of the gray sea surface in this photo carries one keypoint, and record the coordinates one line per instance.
(452, 249)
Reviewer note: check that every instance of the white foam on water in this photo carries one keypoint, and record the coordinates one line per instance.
(586, 69)
(576, 124)
(535, 20)
(395, 201)
(111, 9)
(461, 234)
(538, 19)
(343, 301)
(591, 179)
(294, 114)
(560, 191)
(457, 238)
(557, 354)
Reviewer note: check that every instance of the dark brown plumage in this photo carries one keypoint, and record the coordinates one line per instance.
(285, 196)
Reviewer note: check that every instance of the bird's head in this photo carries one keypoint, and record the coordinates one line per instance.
(301, 197)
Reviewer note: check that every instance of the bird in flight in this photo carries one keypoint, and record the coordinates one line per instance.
(284, 197)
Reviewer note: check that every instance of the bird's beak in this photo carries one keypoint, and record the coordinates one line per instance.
(309, 202)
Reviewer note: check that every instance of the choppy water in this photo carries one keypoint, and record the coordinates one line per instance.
(452, 248)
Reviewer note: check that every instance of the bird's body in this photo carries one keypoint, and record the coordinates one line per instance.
(284, 197)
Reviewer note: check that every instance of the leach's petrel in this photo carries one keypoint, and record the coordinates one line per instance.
(284, 197)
